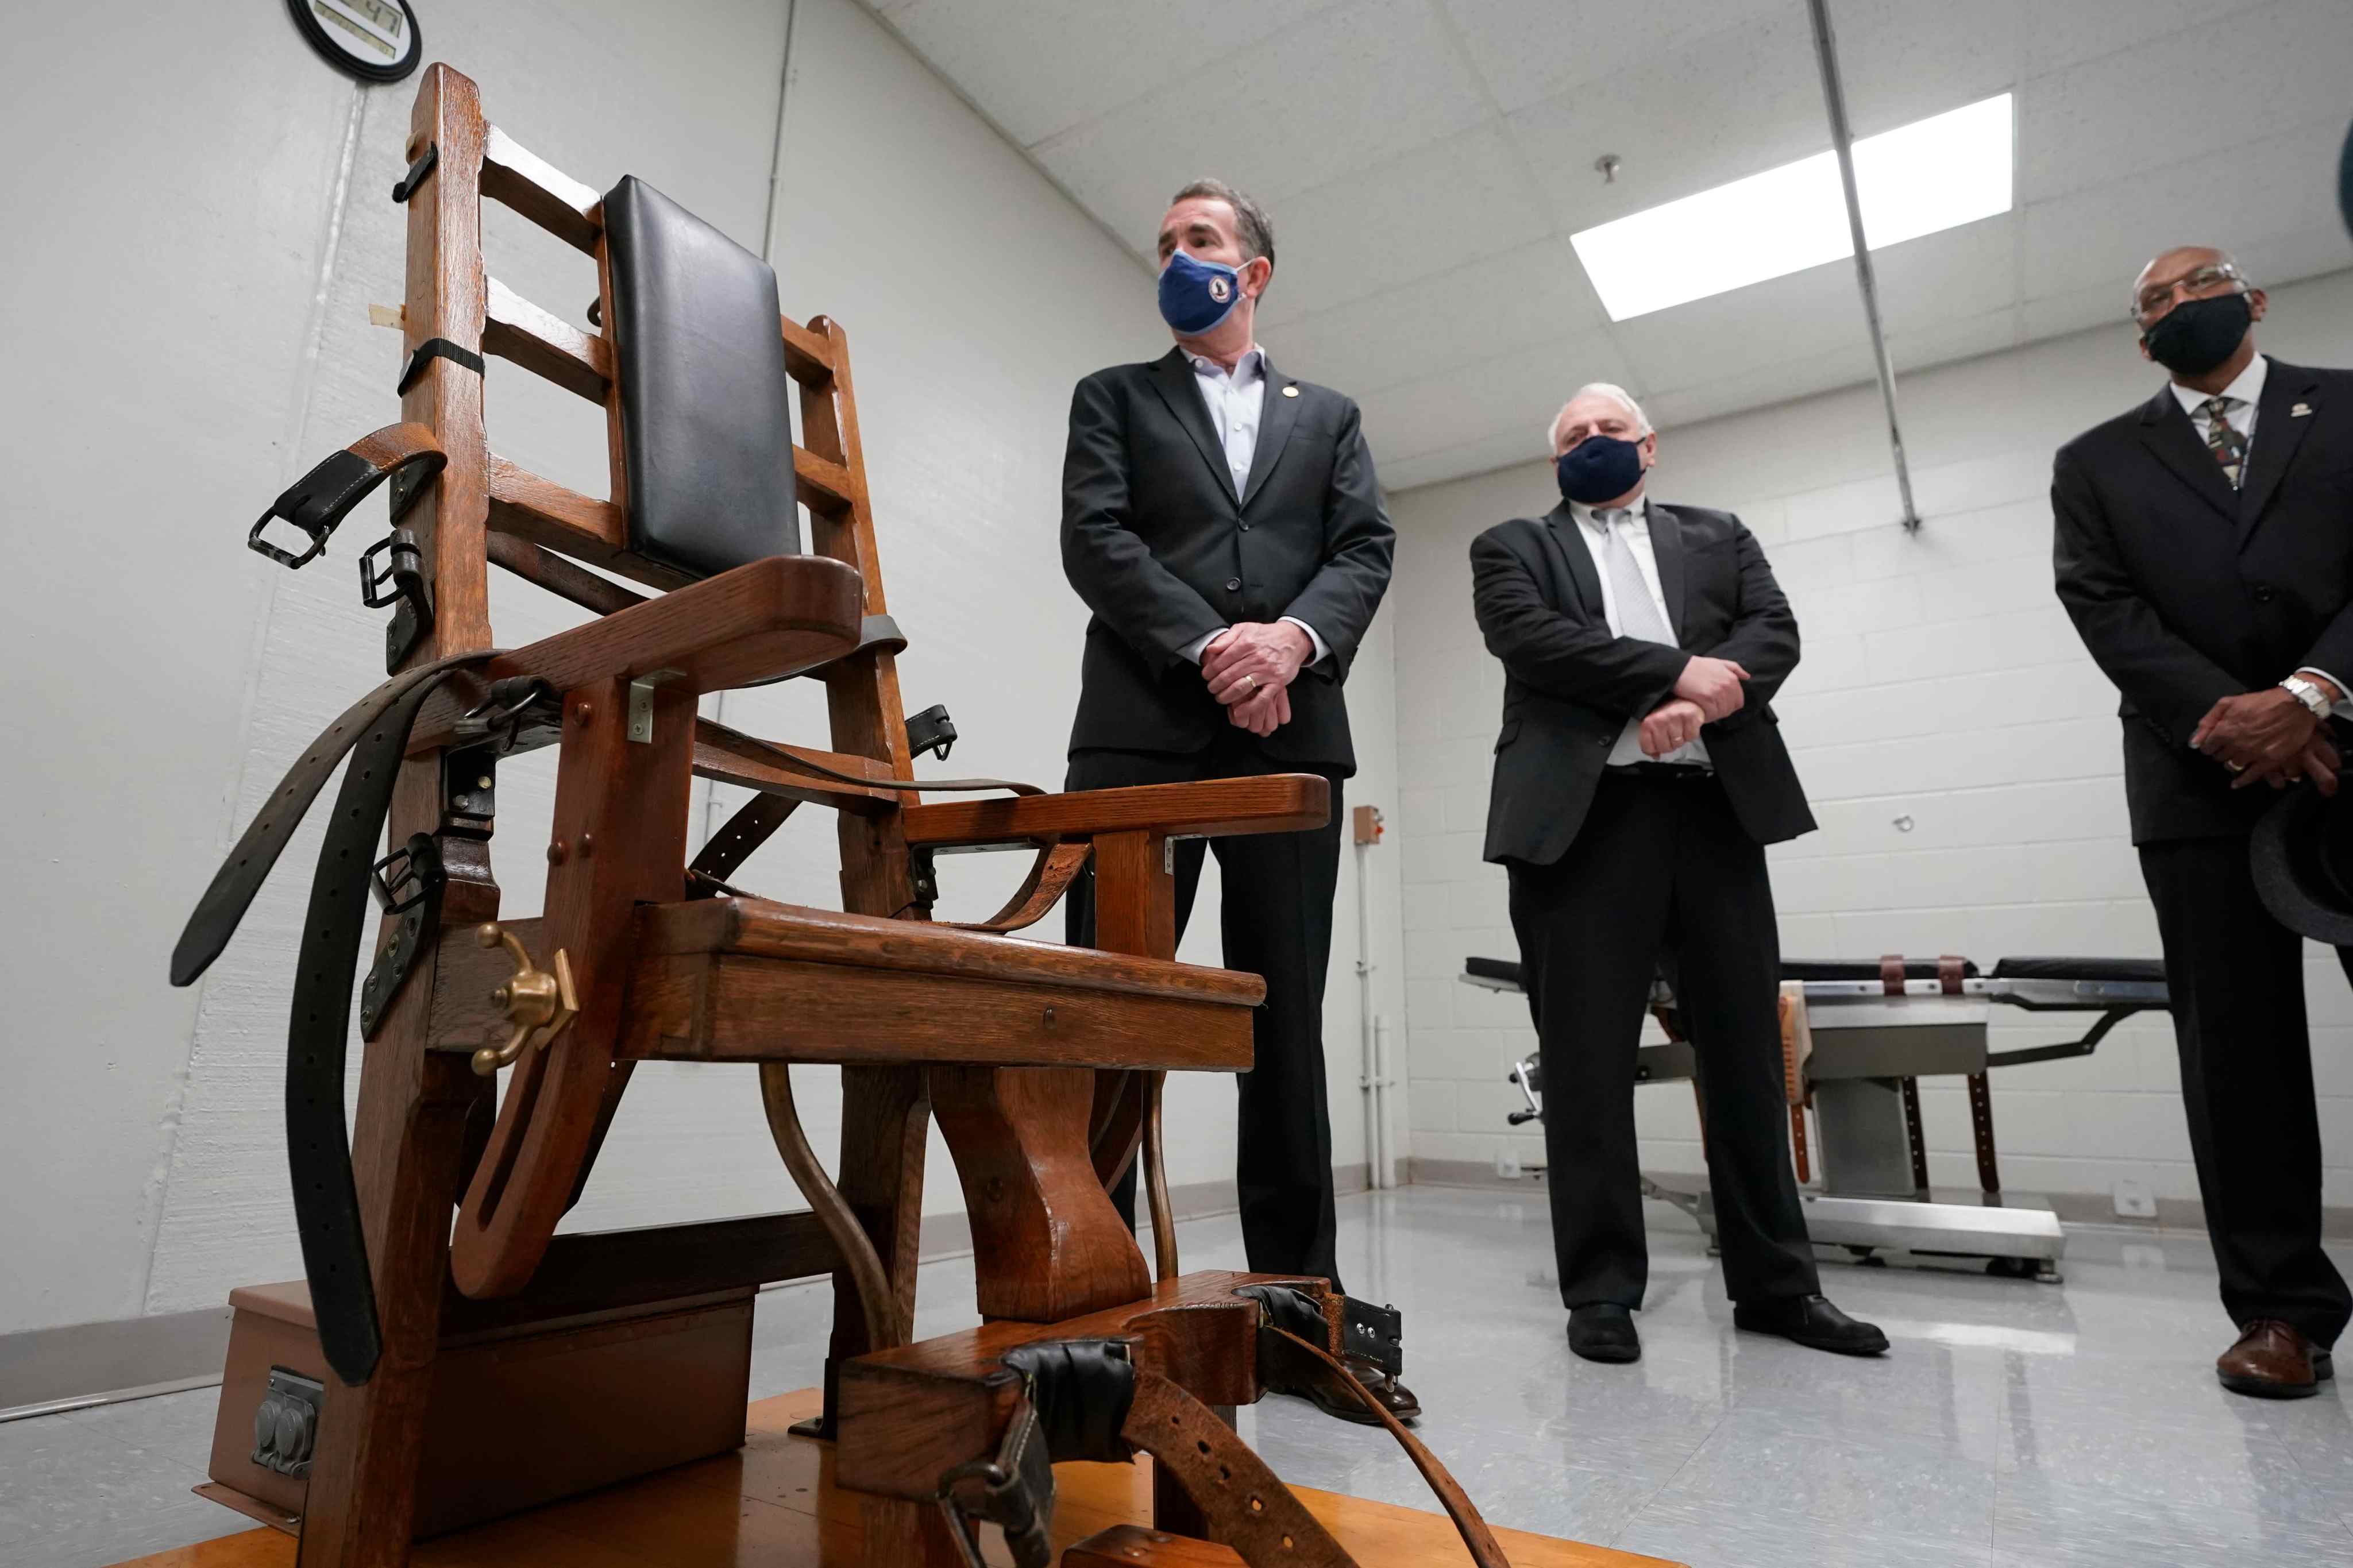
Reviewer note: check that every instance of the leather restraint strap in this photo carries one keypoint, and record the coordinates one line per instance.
(374, 732)
(801, 765)
(1249, 1506)
(321, 499)
(241, 875)
(1286, 1360)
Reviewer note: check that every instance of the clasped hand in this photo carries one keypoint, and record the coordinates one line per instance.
(2268, 737)
(1250, 668)
(1708, 689)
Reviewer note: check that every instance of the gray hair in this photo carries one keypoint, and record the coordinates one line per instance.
(1615, 394)
(1252, 228)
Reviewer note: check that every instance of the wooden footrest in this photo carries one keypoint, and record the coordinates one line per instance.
(909, 1414)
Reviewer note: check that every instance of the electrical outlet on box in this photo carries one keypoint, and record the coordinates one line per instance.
(2135, 1201)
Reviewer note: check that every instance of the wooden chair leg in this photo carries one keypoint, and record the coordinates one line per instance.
(885, 1122)
(410, 1150)
(361, 1510)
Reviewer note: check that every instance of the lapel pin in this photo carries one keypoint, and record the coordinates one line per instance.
(2299, 411)
(1293, 392)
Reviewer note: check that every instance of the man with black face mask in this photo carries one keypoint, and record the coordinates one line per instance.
(1639, 775)
(2205, 551)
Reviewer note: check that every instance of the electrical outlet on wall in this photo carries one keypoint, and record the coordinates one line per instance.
(1507, 1165)
(2135, 1201)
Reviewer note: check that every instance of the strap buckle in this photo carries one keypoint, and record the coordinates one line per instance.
(314, 504)
(401, 582)
(407, 883)
(932, 730)
(1014, 1491)
(520, 711)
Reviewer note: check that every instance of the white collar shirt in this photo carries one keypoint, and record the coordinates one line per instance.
(2246, 395)
(1236, 399)
(1634, 527)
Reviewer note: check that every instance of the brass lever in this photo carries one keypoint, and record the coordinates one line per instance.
(535, 1001)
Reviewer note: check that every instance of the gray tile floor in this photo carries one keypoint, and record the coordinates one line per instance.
(2075, 1426)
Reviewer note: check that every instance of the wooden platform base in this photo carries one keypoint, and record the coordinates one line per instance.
(773, 1505)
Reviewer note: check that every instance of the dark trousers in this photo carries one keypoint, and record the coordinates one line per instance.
(1276, 921)
(1660, 865)
(2237, 980)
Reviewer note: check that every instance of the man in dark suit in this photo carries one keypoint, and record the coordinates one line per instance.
(1222, 521)
(1639, 775)
(2204, 548)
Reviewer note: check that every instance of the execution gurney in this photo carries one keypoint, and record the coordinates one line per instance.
(1863, 1035)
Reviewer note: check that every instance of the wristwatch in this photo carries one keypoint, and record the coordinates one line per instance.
(2306, 692)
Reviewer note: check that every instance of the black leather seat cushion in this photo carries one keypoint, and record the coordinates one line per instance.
(706, 415)
(2145, 969)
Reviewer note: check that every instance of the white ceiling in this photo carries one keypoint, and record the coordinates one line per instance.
(1425, 161)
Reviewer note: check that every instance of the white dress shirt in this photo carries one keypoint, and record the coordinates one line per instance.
(1236, 398)
(1635, 528)
(2246, 391)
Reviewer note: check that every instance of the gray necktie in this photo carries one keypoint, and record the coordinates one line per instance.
(1638, 613)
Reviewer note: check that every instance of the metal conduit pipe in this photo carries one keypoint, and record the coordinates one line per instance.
(1866, 280)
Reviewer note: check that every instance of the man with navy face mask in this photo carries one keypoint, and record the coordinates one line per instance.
(1222, 521)
(1639, 775)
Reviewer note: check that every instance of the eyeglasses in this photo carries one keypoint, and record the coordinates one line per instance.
(2158, 298)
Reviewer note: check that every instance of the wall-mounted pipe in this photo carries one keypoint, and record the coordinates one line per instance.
(1866, 280)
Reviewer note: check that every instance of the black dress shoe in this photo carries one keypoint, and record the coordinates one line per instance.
(1811, 1322)
(1392, 1396)
(1604, 1332)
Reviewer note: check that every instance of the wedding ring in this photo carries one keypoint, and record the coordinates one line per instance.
(2236, 767)
(1252, 680)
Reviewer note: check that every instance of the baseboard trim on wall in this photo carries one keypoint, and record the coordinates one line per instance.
(43, 1371)
(2175, 1217)
(65, 1368)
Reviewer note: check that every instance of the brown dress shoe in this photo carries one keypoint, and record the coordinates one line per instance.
(1394, 1397)
(2273, 1361)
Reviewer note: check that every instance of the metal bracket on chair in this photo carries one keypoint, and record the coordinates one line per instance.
(1168, 851)
(641, 704)
(1373, 1335)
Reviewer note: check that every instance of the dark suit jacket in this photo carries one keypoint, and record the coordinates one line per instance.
(1163, 551)
(1569, 685)
(2187, 593)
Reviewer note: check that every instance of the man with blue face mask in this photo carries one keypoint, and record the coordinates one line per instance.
(1639, 775)
(1222, 521)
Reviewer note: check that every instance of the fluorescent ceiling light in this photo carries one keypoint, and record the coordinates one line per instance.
(1933, 174)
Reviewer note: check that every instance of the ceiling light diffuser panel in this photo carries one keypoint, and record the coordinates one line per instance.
(1918, 179)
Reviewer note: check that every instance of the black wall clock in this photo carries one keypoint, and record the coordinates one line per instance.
(375, 40)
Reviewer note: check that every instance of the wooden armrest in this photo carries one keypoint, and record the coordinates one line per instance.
(1213, 808)
(756, 623)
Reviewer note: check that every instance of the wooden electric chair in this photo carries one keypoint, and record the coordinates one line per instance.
(1043, 1063)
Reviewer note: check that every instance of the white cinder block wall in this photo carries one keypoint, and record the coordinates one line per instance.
(187, 297)
(1959, 747)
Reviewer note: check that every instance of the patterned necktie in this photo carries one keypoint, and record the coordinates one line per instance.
(2229, 446)
(1638, 613)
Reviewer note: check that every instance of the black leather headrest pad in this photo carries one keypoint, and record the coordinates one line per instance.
(706, 418)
